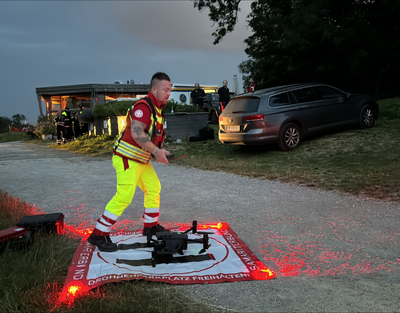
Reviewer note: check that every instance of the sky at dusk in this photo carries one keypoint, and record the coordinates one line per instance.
(55, 43)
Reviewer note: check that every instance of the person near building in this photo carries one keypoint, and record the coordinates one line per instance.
(251, 87)
(59, 119)
(223, 95)
(197, 96)
(75, 125)
(140, 140)
(67, 133)
(82, 122)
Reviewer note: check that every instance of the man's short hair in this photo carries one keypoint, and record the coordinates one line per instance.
(158, 76)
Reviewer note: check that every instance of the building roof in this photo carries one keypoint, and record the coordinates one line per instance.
(142, 88)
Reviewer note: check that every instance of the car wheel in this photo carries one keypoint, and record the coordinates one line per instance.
(289, 137)
(214, 118)
(367, 116)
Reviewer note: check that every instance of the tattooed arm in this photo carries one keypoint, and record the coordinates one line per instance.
(142, 139)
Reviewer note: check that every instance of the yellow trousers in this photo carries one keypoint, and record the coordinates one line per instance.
(138, 174)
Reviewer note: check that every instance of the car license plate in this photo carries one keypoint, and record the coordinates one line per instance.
(235, 128)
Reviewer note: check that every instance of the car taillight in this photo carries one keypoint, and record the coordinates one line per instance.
(250, 118)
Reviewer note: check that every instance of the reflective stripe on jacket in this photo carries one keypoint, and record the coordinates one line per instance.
(59, 121)
(126, 146)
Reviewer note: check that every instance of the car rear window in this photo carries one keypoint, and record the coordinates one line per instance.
(243, 105)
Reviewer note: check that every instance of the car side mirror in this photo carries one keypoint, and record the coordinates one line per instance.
(348, 94)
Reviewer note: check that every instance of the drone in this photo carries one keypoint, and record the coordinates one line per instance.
(167, 245)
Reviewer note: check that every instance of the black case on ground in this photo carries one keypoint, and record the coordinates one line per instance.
(196, 138)
(207, 132)
(49, 223)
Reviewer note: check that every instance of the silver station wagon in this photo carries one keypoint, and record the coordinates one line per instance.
(286, 114)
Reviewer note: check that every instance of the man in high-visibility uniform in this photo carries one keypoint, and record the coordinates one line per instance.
(60, 126)
(67, 133)
(141, 139)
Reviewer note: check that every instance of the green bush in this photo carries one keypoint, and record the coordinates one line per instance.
(102, 110)
(181, 107)
(5, 123)
(112, 108)
(120, 108)
(389, 108)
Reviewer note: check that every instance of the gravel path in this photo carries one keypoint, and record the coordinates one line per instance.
(331, 252)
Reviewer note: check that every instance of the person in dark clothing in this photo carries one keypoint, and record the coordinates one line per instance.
(67, 125)
(60, 127)
(223, 95)
(83, 123)
(75, 125)
(197, 96)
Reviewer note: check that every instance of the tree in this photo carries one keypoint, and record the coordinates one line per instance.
(353, 44)
(5, 123)
(17, 119)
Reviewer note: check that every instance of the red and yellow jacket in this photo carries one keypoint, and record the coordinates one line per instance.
(126, 146)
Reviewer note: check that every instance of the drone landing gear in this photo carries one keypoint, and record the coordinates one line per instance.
(167, 244)
(135, 245)
(166, 258)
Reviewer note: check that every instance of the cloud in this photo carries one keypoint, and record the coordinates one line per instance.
(54, 43)
(177, 24)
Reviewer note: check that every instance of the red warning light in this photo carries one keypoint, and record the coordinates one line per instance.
(75, 288)
(219, 226)
(263, 273)
(69, 293)
(222, 226)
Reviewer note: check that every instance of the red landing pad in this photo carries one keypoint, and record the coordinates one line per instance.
(230, 261)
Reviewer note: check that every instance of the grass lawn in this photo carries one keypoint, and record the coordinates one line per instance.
(354, 161)
(16, 136)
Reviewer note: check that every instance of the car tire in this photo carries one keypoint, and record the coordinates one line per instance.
(214, 118)
(367, 116)
(289, 137)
